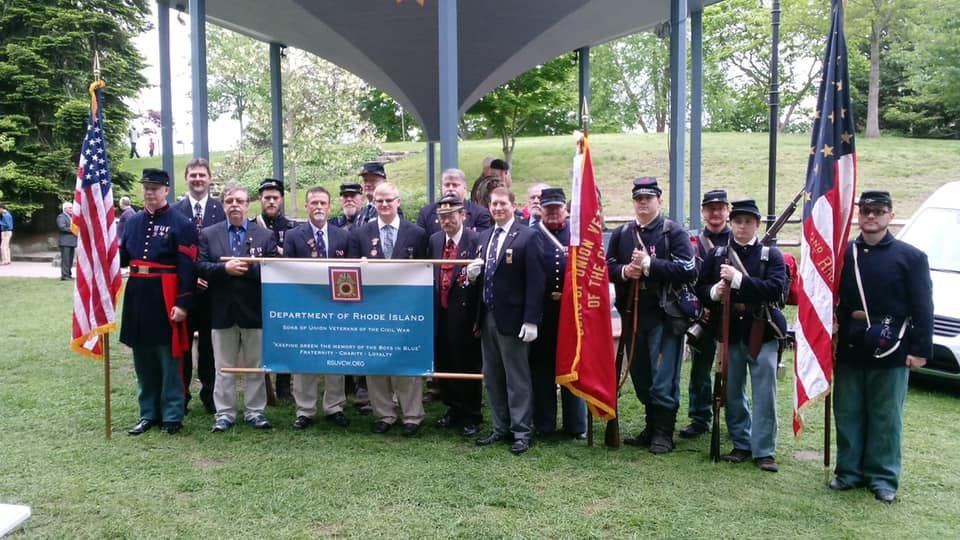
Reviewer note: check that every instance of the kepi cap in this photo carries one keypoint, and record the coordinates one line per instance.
(155, 176)
(552, 196)
(375, 168)
(876, 197)
(646, 185)
(745, 206)
(713, 196)
(270, 183)
(350, 189)
(449, 204)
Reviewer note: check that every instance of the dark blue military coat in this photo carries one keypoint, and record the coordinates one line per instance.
(164, 237)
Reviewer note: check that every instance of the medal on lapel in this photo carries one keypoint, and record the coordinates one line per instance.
(509, 256)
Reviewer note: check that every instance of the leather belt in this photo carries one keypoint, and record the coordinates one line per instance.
(151, 270)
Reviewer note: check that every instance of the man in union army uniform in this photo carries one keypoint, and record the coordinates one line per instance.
(160, 247)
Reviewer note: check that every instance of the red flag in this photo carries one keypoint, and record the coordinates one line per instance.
(98, 259)
(830, 191)
(585, 355)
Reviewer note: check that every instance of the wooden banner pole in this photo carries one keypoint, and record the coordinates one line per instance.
(466, 376)
(106, 385)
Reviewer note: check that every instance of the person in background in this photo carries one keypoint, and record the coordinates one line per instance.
(126, 212)
(6, 233)
(66, 241)
(351, 205)
(531, 212)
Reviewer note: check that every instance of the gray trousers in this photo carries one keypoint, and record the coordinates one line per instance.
(506, 376)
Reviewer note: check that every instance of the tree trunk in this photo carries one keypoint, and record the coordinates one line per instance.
(873, 94)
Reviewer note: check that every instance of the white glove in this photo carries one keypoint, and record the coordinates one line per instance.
(474, 268)
(528, 332)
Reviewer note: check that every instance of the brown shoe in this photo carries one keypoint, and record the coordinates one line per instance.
(737, 455)
(767, 464)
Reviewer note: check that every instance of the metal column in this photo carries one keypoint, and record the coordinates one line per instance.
(774, 113)
(431, 172)
(448, 88)
(583, 61)
(678, 104)
(696, 114)
(198, 61)
(166, 98)
(276, 110)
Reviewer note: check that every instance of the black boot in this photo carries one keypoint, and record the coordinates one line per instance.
(644, 437)
(661, 439)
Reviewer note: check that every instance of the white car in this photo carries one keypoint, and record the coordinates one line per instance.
(935, 229)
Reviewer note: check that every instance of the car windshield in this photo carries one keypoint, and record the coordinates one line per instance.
(936, 231)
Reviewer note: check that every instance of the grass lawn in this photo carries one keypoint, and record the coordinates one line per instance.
(325, 482)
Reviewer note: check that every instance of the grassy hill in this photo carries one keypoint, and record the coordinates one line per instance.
(910, 168)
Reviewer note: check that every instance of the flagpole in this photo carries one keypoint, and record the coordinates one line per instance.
(106, 384)
(826, 435)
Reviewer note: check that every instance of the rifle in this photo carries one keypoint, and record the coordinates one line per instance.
(611, 435)
(720, 371)
(770, 237)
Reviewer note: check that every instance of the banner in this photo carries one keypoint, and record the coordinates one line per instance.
(348, 318)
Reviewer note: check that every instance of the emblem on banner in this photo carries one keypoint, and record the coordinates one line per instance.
(345, 285)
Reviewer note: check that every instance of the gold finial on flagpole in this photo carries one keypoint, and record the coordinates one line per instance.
(585, 116)
(96, 65)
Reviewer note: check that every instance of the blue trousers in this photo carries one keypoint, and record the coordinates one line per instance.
(757, 432)
(160, 388)
(543, 368)
(700, 390)
(868, 408)
(656, 366)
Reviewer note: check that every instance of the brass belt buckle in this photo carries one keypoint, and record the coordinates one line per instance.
(555, 295)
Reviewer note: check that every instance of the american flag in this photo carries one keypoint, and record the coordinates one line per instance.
(827, 210)
(98, 260)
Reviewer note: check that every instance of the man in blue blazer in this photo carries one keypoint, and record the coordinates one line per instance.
(512, 286)
(203, 210)
(235, 301)
(318, 239)
(457, 347)
(454, 182)
(389, 236)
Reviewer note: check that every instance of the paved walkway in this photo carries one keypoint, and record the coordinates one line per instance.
(30, 269)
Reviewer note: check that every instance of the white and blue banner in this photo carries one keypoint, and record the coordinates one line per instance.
(349, 318)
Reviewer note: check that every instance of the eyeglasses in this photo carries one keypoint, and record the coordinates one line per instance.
(234, 201)
(385, 201)
(874, 211)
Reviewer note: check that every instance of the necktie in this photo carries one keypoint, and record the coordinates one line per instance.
(198, 215)
(235, 241)
(388, 239)
(446, 273)
(321, 245)
(491, 267)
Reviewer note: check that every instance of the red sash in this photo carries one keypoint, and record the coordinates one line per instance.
(180, 335)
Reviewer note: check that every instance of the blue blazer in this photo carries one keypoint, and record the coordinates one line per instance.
(299, 243)
(411, 242)
(518, 279)
(234, 300)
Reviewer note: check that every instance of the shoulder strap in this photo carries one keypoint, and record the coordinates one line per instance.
(856, 272)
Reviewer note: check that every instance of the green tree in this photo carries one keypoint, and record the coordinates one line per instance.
(542, 101)
(631, 87)
(737, 39)
(884, 24)
(238, 74)
(46, 55)
(387, 117)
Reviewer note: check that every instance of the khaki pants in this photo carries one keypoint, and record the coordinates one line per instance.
(305, 393)
(5, 247)
(238, 347)
(409, 391)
